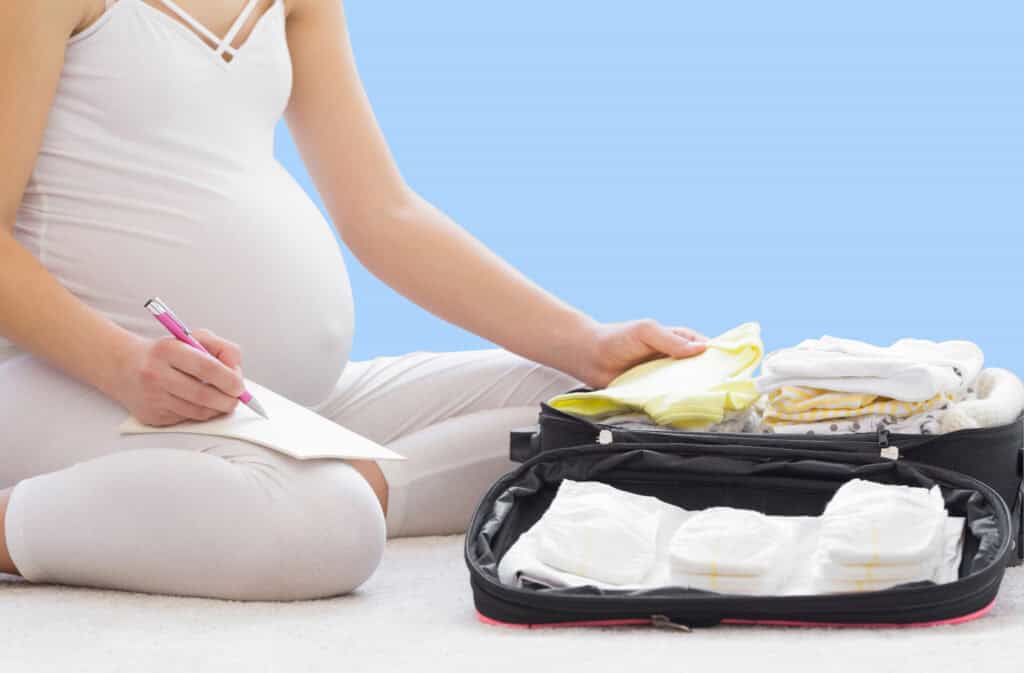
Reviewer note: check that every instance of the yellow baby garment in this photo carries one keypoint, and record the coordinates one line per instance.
(688, 393)
(801, 404)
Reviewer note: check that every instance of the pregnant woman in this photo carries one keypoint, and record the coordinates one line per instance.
(137, 139)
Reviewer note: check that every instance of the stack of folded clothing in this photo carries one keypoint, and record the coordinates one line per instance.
(690, 393)
(730, 550)
(875, 536)
(832, 385)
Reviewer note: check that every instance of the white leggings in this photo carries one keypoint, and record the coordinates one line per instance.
(205, 516)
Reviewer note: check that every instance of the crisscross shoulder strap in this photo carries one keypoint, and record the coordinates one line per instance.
(223, 45)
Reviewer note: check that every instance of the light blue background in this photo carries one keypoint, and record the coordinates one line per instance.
(856, 170)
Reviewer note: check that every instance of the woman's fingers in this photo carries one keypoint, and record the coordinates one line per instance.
(198, 394)
(203, 367)
(227, 352)
(186, 410)
(669, 341)
(692, 335)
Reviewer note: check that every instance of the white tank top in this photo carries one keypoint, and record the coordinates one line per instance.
(157, 176)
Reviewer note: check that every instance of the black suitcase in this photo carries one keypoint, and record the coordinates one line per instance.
(761, 473)
(993, 455)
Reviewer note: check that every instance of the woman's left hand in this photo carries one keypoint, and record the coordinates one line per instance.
(611, 349)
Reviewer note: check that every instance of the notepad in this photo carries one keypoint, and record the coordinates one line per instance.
(291, 429)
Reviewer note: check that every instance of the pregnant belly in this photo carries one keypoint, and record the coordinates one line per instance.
(254, 261)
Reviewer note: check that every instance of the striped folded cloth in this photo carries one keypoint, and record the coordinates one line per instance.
(802, 404)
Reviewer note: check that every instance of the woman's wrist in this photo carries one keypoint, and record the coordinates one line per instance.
(574, 344)
(120, 354)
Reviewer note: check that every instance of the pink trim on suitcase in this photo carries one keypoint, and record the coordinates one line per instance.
(749, 622)
(941, 622)
(559, 625)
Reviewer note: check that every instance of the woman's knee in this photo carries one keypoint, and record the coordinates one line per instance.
(336, 534)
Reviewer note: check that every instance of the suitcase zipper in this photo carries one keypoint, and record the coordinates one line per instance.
(663, 622)
(606, 436)
(858, 609)
(890, 452)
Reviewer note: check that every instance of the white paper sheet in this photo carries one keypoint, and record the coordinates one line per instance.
(291, 429)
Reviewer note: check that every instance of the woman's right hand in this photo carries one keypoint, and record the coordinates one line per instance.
(164, 381)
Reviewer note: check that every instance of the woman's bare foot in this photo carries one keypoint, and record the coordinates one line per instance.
(6, 564)
(372, 473)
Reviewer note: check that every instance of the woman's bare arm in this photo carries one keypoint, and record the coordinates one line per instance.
(417, 249)
(36, 312)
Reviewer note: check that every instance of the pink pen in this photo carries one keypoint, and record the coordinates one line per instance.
(177, 328)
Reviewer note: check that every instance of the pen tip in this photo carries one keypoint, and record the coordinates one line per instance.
(258, 408)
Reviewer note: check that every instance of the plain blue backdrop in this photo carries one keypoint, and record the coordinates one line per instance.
(855, 171)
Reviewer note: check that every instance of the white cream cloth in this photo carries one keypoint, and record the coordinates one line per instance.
(999, 400)
(788, 565)
(912, 370)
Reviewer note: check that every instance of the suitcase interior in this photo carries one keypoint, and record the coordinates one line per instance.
(770, 480)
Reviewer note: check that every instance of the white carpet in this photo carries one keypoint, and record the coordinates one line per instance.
(416, 614)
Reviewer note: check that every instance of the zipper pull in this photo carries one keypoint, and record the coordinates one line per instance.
(884, 449)
(605, 437)
(663, 622)
(891, 452)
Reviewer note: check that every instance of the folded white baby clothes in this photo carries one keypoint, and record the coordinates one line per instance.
(594, 530)
(731, 550)
(911, 370)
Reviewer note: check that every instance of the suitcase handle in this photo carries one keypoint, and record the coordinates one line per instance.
(524, 443)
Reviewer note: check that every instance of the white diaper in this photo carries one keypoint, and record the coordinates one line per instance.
(730, 551)
(594, 530)
(874, 536)
(867, 523)
(726, 541)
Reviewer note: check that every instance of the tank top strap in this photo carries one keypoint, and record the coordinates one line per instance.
(223, 45)
(193, 23)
